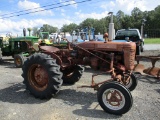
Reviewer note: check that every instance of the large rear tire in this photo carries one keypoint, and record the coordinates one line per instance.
(114, 98)
(42, 75)
(72, 75)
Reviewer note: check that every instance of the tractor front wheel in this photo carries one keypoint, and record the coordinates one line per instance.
(132, 82)
(73, 74)
(0, 54)
(142, 47)
(138, 50)
(114, 98)
(42, 75)
(18, 60)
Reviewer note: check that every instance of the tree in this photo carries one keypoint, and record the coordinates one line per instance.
(87, 23)
(137, 16)
(101, 26)
(72, 27)
(157, 17)
(69, 28)
(35, 30)
(49, 28)
(64, 29)
(121, 21)
(120, 17)
(127, 22)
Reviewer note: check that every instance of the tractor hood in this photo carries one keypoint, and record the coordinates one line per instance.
(108, 46)
(128, 49)
(120, 41)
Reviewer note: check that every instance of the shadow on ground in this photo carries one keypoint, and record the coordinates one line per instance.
(158, 90)
(16, 93)
(148, 79)
(88, 102)
(8, 63)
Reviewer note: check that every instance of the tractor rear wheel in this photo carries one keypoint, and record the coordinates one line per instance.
(18, 60)
(114, 98)
(42, 75)
(72, 75)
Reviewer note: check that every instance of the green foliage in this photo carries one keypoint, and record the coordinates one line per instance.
(69, 28)
(121, 21)
(49, 28)
(44, 28)
(120, 18)
(152, 41)
(34, 31)
(87, 23)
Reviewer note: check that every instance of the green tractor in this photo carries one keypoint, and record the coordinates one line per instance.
(44, 39)
(52, 40)
(17, 47)
(21, 47)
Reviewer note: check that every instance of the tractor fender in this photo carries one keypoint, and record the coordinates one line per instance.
(59, 60)
(52, 51)
(54, 56)
(49, 49)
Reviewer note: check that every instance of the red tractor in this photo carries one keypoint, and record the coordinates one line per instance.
(46, 70)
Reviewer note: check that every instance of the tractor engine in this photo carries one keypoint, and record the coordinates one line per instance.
(97, 54)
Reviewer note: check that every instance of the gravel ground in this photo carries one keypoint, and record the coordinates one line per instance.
(73, 103)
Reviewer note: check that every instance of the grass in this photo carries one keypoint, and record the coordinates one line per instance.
(152, 41)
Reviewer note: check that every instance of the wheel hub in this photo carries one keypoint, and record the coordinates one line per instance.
(38, 77)
(113, 99)
(18, 61)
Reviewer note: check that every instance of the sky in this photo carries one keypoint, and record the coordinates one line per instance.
(18, 14)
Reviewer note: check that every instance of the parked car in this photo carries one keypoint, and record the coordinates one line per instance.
(131, 35)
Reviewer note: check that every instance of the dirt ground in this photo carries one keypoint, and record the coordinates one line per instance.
(73, 103)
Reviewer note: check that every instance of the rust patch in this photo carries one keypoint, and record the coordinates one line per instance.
(139, 68)
(155, 71)
(112, 46)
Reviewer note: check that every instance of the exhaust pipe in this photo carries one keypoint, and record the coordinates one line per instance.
(111, 28)
(24, 32)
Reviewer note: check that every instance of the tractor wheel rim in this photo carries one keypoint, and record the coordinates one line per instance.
(129, 83)
(18, 61)
(38, 77)
(113, 99)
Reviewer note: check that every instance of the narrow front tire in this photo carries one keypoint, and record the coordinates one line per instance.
(114, 98)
